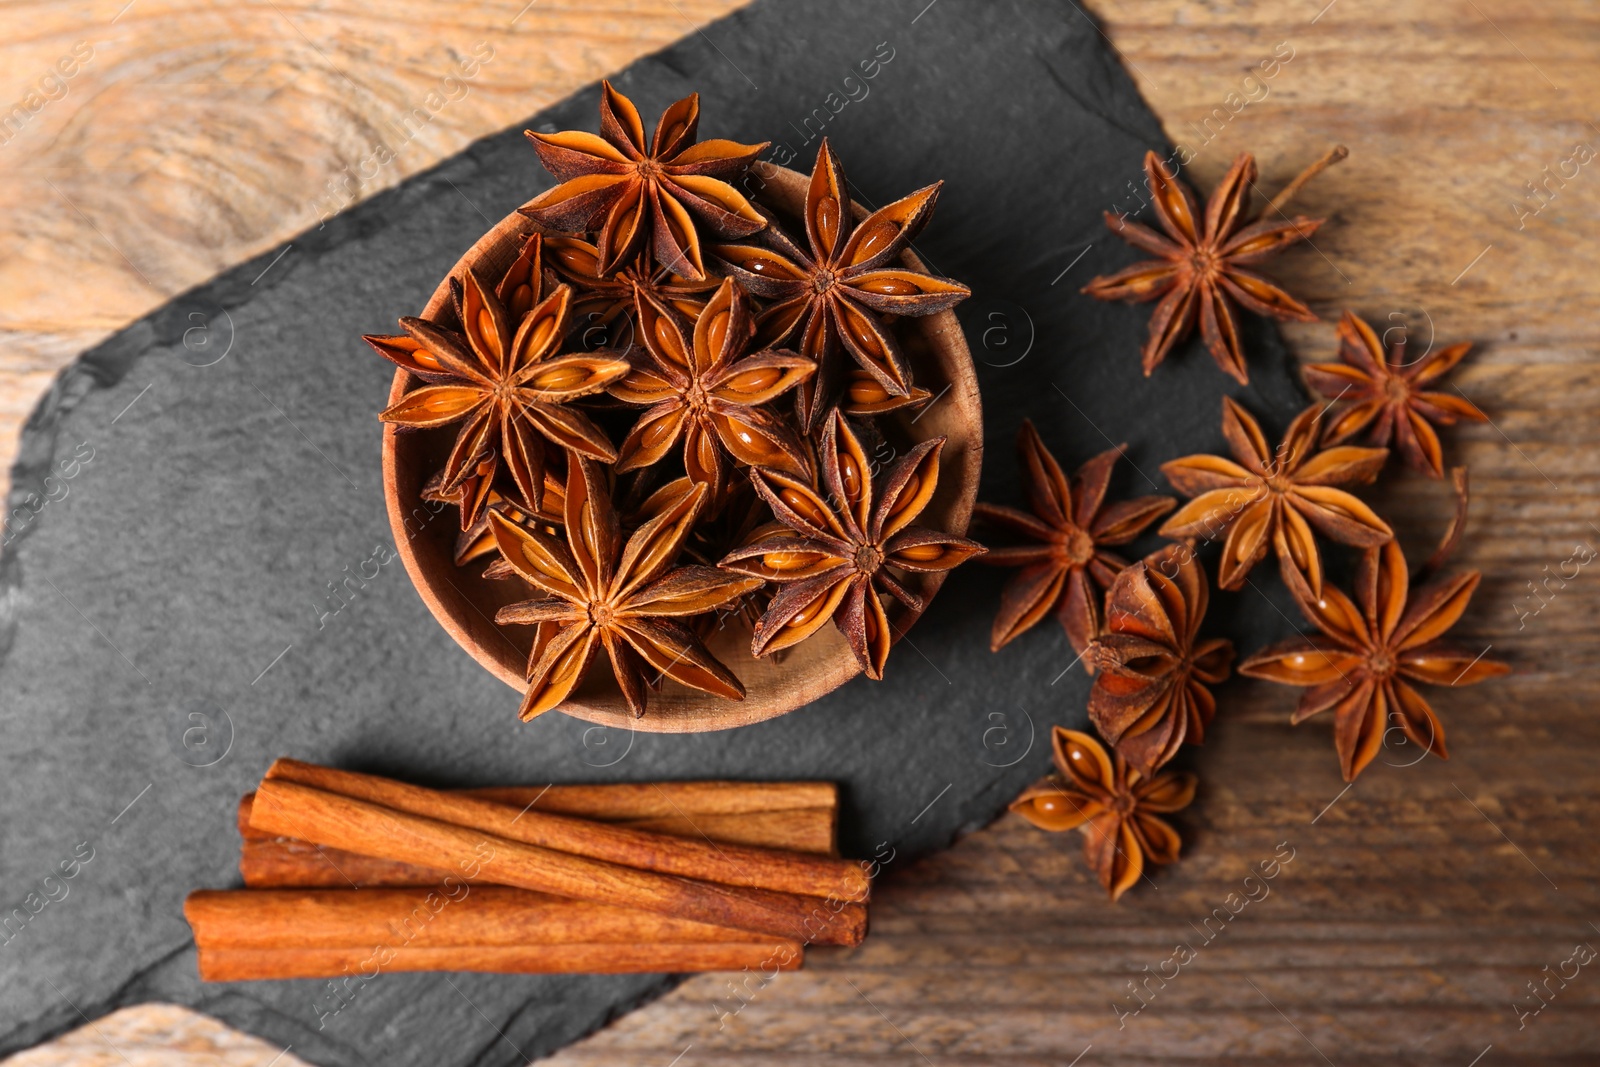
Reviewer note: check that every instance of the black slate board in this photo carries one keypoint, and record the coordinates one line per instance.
(216, 465)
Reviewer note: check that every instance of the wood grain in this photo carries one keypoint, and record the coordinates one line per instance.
(1419, 903)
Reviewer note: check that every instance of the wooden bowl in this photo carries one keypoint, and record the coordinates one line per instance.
(465, 603)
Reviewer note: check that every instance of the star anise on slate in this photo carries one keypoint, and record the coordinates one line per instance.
(1067, 567)
(1115, 807)
(1374, 647)
(1200, 269)
(835, 292)
(619, 597)
(605, 299)
(833, 560)
(637, 193)
(1150, 695)
(707, 393)
(1388, 396)
(499, 380)
(1275, 497)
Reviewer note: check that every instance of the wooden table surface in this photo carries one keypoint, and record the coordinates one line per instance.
(1421, 902)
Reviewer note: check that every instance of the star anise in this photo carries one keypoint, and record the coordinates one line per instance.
(636, 193)
(1275, 497)
(1200, 269)
(1115, 807)
(607, 300)
(707, 393)
(1067, 567)
(1388, 397)
(623, 598)
(836, 292)
(833, 559)
(1373, 644)
(1150, 695)
(499, 380)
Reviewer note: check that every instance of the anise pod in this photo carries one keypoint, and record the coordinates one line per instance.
(604, 302)
(833, 561)
(1117, 809)
(1373, 646)
(836, 291)
(1201, 265)
(623, 598)
(1387, 396)
(1150, 694)
(1067, 566)
(864, 395)
(506, 387)
(639, 194)
(707, 394)
(1275, 497)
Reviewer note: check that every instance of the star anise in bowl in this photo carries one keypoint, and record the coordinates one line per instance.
(611, 267)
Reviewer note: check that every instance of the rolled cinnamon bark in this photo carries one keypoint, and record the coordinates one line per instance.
(295, 810)
(726, 864)
(801, 816)
(247, 964)
(267, 860)
(452, 914)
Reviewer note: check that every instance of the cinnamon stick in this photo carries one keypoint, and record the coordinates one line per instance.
(656, 805)
(294, 810)
(452, 914)
(809, 830)
(243, 965)
(726, 864)
(646, 800)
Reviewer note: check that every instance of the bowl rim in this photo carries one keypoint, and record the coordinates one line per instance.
(951, 353)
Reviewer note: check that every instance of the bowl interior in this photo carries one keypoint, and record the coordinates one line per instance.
(465, 603)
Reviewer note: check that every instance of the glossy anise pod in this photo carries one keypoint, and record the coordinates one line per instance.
(836, 290)
(1150, 694)
(624, 598)
(1066, 564)
(865, 396)
(1274, 498)
(504, 384)
(1372, 647)
(1117, 809)
(640, 195)
(605, 303)
(1386, 395)
(1203, 263)
(707, 394)
(834, 559)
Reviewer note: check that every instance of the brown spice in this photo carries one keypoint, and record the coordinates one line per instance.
(1275, 498)
(1115, 807)
(1372, 648)
(1068, 565)
(1201, 267)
